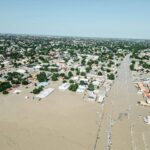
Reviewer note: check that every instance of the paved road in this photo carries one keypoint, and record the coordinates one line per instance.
(121, 124)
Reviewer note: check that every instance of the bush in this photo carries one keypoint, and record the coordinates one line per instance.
(15, 82)
(78, 72)
(146, 66)
(83, 62)
(99, 73)
(133, 61)
(2, 65)
(132, 67)
(117, 64)
(5, 92)
(62, 74)
(64, 81)
(72, 69)
(88, 69)
(71, 81)
(66, 77)
(82, 82)
(109, 65)
(108, 70)
(54, 70)
(25, 82)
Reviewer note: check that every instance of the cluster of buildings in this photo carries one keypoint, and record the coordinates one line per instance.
(144, 89)
(93, 63)
(140, 62)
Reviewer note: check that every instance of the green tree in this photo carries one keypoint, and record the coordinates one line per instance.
(88, 69)
(73, 87)
(42, 77)
(37, 90)
(54, 77)
(111, 76)
(2, 65)
(25, 82)
(71, 81)
(64, 81)
(91, 87)
(108, 70)
(100, 73)
(4, 86)
(132, 67)
(5, 92)
(62, 74)
(82, 73)
(82, 82)
(77, 72)
(16, 81)
(146, 66)
(70, 74)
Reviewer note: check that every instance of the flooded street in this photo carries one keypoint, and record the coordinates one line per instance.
(122, 126)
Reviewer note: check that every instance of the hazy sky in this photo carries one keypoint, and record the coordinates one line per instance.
(90, 18)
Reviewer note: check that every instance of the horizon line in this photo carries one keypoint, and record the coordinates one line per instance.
(72, 36)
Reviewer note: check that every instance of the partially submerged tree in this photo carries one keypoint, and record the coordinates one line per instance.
(42, 77)
(37, 90)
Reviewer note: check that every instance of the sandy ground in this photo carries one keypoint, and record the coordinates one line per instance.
(63, 121)
(121, 125)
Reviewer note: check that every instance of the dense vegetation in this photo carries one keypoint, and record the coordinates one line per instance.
(4, 86)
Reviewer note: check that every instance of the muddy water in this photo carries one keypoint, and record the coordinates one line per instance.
(122, 126)
(62, 121)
